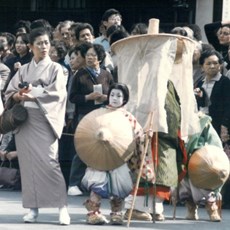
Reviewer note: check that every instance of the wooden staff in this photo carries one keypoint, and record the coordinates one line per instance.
(174, 198)
(138, 179)
(143, 154)
(155, 160)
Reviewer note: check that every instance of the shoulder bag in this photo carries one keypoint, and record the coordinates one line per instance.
(13, 115)
(9, 176)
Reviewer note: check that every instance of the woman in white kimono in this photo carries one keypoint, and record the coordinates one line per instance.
(43, 185)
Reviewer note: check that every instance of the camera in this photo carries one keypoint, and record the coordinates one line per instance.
(23, 85)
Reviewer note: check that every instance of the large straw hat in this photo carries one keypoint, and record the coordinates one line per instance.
(104, 139)
(208, 167)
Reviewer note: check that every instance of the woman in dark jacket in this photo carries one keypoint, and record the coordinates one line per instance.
(22, 54)
(91, 83)
(213, 93)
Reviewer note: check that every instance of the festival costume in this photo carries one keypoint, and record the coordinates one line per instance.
(156, 59)
(188, 193)
(106, 184)
(218, 108)
(171, 160)
(82, 84)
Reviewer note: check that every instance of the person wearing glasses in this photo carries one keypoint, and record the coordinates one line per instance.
(109, 18)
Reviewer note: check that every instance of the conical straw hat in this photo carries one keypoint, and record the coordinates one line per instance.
(208, 167)
(104, 139)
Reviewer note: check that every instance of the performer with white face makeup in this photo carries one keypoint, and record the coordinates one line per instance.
(118, 96)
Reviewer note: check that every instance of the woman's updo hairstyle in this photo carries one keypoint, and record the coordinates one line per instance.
(123, 88)
(37, 33)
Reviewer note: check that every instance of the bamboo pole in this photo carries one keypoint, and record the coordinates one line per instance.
(174, 199)
(153, 28)
(138, 179)
(143, 154)
(155, 160)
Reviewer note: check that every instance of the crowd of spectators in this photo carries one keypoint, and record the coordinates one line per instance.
(80, 53)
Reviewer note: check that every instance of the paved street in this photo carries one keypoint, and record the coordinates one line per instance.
(11, 212)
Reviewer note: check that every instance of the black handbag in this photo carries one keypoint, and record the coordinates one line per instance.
(10, 176)
(12, 118)
(13, 115)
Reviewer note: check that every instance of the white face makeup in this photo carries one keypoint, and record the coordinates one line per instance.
(116, 98)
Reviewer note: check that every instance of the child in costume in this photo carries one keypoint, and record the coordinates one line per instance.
(98, 183)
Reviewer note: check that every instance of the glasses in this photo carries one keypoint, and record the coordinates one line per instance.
(223, 33)
(115, 19)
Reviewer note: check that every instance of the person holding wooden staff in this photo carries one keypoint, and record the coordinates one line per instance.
(168, 166)
(107, 174)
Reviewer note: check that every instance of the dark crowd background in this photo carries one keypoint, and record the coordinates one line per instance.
(170, 12)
